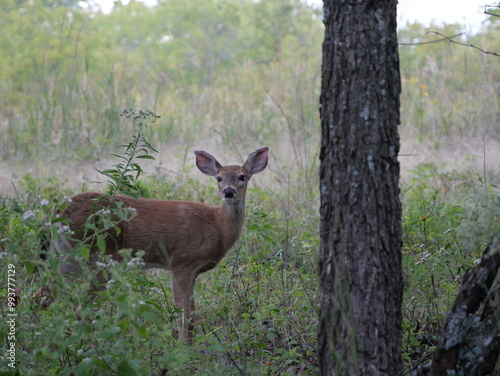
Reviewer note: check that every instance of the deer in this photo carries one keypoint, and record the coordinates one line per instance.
(186, 238)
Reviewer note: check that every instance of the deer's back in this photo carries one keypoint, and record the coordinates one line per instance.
(172, 233)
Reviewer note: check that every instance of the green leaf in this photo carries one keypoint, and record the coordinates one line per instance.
(109, 332)
(151, 316)
(124, 325)
(85, 252)
(151, 147)
(156, 305)
(30, 267)
(71, 340)
(143, 331)
(109, 171)
(101, 244)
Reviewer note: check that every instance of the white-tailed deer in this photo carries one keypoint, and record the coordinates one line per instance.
(187, 238)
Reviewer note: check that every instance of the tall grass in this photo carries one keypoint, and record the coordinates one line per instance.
(67, 74)
(448, 90)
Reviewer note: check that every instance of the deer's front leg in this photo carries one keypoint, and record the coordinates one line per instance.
(183, 290)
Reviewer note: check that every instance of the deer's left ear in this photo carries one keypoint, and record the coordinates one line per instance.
(257, 161)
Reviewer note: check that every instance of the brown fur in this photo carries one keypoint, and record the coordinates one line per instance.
(187, 238)
(161, 226)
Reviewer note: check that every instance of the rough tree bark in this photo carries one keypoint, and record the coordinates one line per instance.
(360, 254)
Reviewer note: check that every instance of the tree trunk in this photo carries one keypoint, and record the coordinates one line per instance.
(361, 282)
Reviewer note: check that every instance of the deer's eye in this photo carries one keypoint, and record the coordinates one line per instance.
(242, 177)
(219, 179)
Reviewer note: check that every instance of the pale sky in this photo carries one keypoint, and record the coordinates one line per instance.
(468, 12)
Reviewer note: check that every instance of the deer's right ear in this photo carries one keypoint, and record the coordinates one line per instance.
(206, 163)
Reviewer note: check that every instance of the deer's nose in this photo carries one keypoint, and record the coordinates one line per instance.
(229, 193)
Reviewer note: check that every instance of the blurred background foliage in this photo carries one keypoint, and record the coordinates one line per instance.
(229, 71)
(232, 72)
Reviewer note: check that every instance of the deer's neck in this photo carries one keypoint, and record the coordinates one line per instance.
(233, 219)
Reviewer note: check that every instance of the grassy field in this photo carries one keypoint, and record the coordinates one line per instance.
(222, 84)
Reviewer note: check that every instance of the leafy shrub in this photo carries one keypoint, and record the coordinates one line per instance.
(448, 219)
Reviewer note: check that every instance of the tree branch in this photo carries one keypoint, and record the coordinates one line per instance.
(451, 41)
(464, 44)
(430, 41)
(486, 7)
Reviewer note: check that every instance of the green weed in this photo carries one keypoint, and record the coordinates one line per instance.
(448, 220)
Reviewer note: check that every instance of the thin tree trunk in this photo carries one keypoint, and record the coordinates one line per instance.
(360, 254)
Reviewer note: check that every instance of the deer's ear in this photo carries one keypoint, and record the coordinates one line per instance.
(257, 161)
(206, 163)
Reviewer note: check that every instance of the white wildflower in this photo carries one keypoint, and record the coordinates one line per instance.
(110, 263)
(109, 284)
(136, 261)
(29, 214)
(65, 230)
(424, 257)
(44, 202)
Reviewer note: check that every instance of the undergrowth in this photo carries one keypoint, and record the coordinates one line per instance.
(448, 220)
(257, 310)
(256, 314)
